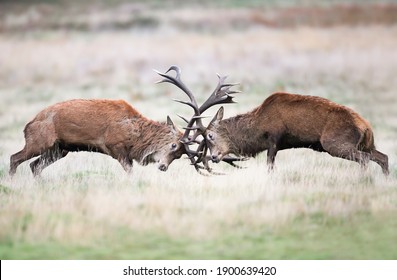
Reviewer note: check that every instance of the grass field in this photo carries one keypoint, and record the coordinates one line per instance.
(313, 206)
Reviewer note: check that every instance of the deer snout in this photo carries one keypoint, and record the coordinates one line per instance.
(163, 167)
(215, 158)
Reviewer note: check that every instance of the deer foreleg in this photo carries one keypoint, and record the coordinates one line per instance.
(271, 156)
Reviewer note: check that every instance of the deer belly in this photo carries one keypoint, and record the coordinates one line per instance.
(291, 141)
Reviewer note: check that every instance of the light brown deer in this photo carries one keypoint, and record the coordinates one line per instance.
(111, 127)
(286, 121)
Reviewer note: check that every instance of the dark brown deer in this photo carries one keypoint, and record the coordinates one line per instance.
(286, 121)
(111, 127)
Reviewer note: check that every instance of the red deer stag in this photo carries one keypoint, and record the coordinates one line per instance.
(222, 94)
(111, 127)
(285, 121)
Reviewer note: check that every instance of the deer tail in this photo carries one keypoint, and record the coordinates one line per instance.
(367, 143)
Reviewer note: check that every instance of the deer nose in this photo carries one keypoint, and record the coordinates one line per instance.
(214, 158)
(163, 167)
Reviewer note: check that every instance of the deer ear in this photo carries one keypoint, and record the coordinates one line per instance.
(171, 124)
(218, 116)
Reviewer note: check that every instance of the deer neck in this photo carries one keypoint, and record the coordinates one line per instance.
(243, 135)
(148, 140)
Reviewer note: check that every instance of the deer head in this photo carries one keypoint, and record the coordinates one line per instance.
(216, 138)
(165, 147)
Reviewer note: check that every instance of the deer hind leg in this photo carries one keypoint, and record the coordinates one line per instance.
(352, 154)
(36, 144)
(346, 147)
(46, 159)
(26, 153)
(381, 159)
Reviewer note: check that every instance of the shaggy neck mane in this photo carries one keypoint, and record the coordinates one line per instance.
(152, 136)
(243, 134)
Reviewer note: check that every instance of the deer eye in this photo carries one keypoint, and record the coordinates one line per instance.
(210, 136)
(173, 146)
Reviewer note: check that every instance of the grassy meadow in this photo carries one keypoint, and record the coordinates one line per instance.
(313, 206)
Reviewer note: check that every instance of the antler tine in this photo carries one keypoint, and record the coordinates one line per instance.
(222, 94)
(183, 118)
(186, 103)
(195, 127)
(201, 152)
(178, 82)
(230, 160)
(199, 155)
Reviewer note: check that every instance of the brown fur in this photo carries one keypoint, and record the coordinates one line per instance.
(110, 127)
(285, 121)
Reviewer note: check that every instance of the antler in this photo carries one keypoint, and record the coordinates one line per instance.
(186, 139)
(222, 94)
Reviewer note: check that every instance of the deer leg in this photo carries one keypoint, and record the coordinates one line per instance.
(36, 144)
(354, 155)
(381, 159)
(46, 159)
(120, 153)
(344, 144)
(26, 153)
(127, 164)
(271, 156)
(349, 153)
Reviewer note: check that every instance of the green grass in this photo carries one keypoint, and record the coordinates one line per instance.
(316, 237)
